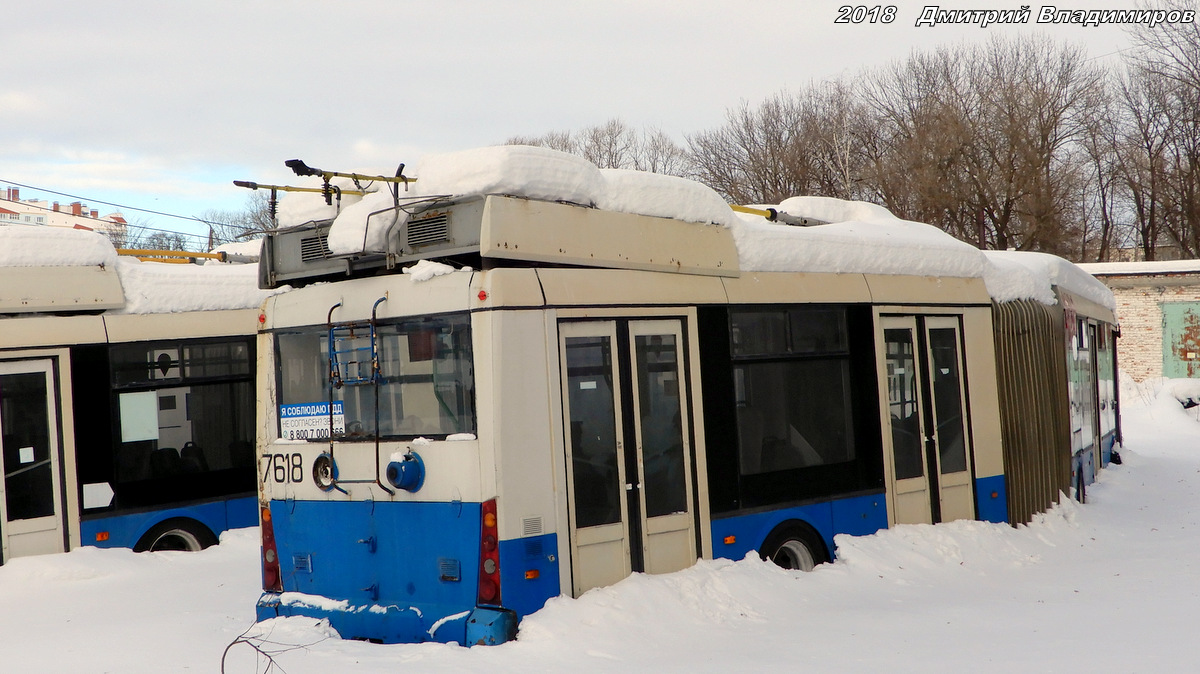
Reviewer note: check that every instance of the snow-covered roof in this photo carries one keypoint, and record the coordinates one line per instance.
(158, 288)
(148, 287)
(860, 238)
(40, 246)
(1142, 268)
(1044, 271)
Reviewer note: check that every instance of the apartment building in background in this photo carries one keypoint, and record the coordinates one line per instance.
(76, 215)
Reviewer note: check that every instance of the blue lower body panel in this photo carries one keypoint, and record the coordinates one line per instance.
(402, 572)
(991, 499)
(124, 531)
(1107, 444)
(1083, 468)
(734, 537)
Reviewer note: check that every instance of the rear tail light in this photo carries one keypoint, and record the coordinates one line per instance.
(489, 557)
(270, 556)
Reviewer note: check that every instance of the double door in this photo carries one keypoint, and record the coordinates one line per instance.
(629, 456)
(31, 494)
(929, 470)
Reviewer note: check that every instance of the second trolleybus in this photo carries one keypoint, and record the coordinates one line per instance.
(126, 397)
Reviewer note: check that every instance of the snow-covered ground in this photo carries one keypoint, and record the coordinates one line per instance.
(1111, 586)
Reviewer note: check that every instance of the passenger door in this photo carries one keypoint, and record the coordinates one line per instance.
(31, 521)
(929, 464)
(628, 449)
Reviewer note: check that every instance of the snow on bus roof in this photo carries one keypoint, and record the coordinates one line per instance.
(523, 171)
(43, 246)
(149, 287)
(1054, 271)
(860, 237)
(1142, 268)
(159, 288)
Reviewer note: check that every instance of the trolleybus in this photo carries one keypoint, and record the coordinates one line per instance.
(610, 375)
(126, 397)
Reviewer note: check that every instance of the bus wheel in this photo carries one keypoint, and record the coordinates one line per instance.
(176, 534)
(795, 546)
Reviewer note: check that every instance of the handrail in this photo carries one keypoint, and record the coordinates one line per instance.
(776, 215)
(181, 256)
(250, 185)
(336, 381)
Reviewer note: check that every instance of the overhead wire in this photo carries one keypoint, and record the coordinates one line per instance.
(123, 207)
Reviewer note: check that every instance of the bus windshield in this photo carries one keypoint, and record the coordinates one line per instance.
(425, 384)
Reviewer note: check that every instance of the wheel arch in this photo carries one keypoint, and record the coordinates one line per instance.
(795, 529)
(179, 527)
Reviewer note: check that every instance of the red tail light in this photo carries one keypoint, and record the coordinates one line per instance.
(270, 556)
(489, 556)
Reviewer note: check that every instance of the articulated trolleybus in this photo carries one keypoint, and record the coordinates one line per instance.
(127, 413)
(576, 393)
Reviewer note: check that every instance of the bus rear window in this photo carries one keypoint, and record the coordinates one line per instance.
(425, 384)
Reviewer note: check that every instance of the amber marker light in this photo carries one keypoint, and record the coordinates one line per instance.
(730, 540)
(101, 536)
(532, 574)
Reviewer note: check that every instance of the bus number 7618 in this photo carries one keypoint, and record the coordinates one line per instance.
(283, 467)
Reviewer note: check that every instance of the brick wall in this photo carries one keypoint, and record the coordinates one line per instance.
(1140, 348)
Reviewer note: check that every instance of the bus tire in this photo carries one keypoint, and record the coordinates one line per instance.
(179, 533)
(794, 545)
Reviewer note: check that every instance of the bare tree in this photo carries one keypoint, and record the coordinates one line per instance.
(1103, 234)
(140, 235)
(1161, 170)
(790, 145)
(233, 226)
(1009, 143)
(1170, 50)
(614, 144)
(983, 140)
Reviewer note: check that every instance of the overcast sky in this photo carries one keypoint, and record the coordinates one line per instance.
(161, 105)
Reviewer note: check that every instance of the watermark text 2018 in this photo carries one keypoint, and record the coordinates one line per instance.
(866, 14)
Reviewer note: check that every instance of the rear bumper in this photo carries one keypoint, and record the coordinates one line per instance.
(392, 623)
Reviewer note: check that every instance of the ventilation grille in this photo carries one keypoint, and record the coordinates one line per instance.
(531, 526)
(533, 549)
(423, 232)
(302, 563)
(314, 248)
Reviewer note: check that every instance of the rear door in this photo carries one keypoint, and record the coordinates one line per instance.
(31, 520)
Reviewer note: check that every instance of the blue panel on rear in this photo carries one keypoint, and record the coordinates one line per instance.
(856, 515)
(991, 499)
(408, 572)
(379, 553)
